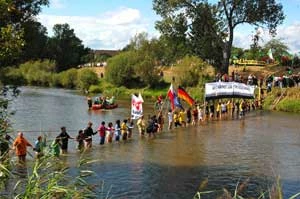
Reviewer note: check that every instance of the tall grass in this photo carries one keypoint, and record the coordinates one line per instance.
(274, 192)
(290, 102)
(49, 178)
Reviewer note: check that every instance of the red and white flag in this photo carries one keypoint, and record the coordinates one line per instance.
(136, 106)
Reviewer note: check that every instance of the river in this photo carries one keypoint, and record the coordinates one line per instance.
(259, 148)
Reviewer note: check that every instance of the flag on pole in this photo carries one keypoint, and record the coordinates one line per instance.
(270, 54)
(173, 98)
(185, 96)
(136, 106)
(171, 95)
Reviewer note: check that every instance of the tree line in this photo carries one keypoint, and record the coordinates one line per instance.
(23, 38)
(189, 29)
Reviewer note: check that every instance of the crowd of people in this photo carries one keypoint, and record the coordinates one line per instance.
(122, 131)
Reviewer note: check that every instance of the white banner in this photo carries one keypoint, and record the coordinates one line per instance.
(217, 90)
(136, 107)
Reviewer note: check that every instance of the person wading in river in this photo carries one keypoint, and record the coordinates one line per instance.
(20, 145)
(39, 145)
(88, 133)
(64, 138)
(102, 132)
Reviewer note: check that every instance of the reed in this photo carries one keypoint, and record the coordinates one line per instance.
(49, 178)
(275, 192)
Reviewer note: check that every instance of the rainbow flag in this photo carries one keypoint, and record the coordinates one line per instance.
(185, 96)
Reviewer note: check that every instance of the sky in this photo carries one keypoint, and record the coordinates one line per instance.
(110, 24)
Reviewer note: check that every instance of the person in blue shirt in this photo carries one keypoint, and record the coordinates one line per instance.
(39, 145)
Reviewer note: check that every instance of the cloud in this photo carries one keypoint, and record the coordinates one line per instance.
(58, 4)
(111, 30)
(289, 34)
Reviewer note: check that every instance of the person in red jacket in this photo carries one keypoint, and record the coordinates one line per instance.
(20, 145)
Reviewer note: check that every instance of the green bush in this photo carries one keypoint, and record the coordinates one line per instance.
(192, 71)
(68, 78)
(55, 80)
(86, 78)
(36, 73)
(12, 76)
(95, 89)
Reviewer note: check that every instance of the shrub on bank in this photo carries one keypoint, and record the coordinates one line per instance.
(86, 78)
(42, 73)
(68, 78)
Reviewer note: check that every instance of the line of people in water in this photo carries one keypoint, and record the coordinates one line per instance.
(121, 131)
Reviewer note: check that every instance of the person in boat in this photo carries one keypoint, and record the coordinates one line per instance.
(110, 101)
(20, 145)
(64, 138)
(88, 134)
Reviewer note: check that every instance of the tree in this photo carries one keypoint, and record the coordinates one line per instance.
(174, 35)
(230, 14)
(205, 32)
(279, 48)
(14, 13)
(147, 55)
(254, 12)
(35, 38)
(10, 45)
(119, 70)
(65, 48)
(236, 52)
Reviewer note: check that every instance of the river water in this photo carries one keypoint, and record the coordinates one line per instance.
(257, 149)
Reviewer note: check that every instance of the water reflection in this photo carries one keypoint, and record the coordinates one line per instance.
(259, 147)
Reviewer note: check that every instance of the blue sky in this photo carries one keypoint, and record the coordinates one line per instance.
(110, 24)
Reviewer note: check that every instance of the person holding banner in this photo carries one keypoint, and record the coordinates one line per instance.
(136, 106)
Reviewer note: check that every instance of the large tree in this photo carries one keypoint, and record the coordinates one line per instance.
(230, 14)
(66, 48)
(13, 14)
(35, 37)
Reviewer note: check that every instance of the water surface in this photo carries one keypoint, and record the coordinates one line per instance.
(259, 148)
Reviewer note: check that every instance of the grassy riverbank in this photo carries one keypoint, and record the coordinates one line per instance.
(286, 99)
